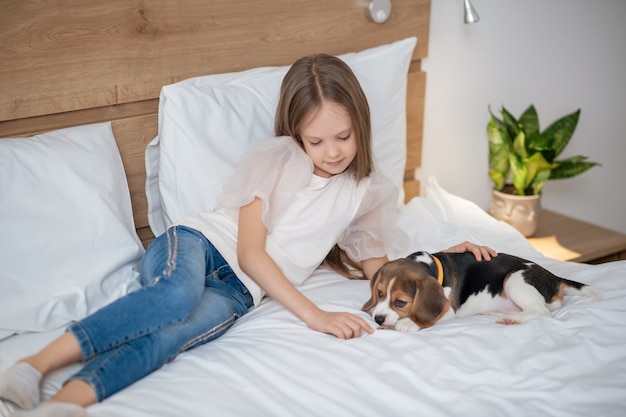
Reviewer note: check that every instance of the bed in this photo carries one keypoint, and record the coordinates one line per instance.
(109, 113)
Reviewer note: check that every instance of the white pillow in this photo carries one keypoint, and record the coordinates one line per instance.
(68, 244)
(441, 219)
(206, 123)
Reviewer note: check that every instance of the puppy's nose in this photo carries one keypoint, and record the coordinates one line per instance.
(380, 319)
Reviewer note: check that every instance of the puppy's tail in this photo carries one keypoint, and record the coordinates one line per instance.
(576, 288)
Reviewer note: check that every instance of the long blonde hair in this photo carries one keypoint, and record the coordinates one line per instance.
(310, 81)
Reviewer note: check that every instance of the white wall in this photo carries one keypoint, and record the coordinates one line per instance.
(559, 55)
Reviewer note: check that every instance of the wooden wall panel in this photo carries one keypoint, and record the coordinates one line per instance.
(416, 90)
(132, 136)
(66, 55)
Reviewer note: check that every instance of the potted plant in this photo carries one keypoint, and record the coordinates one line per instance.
(522, 158)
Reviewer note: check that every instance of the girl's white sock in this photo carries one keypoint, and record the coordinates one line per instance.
(20, 385)
(53, 409)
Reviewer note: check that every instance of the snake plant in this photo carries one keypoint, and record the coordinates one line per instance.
(521, 154)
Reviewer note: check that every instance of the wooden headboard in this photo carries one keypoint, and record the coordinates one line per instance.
(71, 62)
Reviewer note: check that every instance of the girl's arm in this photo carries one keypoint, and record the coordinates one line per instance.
(256, 262)
(480, 252)
(370, 266)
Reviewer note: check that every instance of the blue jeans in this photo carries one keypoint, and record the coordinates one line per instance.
(189, 296)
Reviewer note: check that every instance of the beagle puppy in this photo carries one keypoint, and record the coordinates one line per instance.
(416, 292)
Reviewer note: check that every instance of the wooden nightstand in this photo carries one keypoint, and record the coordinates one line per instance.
(568, 239)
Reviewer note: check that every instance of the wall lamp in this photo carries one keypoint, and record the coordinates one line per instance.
(470, 13)
(377, 11)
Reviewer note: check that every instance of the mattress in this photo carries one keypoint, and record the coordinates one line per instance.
(271, 364)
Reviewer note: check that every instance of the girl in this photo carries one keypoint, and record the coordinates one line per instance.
(306, 197)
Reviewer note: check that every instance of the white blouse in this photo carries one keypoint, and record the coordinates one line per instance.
(305, 215)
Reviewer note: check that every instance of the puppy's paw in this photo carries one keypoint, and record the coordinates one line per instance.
(406, 325)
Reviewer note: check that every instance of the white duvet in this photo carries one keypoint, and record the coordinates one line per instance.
(271, 364)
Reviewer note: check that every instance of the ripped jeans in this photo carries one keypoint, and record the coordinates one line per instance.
(189, 296)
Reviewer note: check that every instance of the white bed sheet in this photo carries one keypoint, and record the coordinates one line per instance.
(271, 364)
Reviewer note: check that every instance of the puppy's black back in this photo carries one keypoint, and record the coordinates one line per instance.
(467, 277)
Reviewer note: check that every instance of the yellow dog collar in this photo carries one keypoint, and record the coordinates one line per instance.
(439, 270)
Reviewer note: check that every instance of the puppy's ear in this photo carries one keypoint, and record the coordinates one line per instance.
(429, 302)
(369, 304)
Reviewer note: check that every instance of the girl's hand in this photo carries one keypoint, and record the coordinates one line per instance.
(480, 252)
(340, 324)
